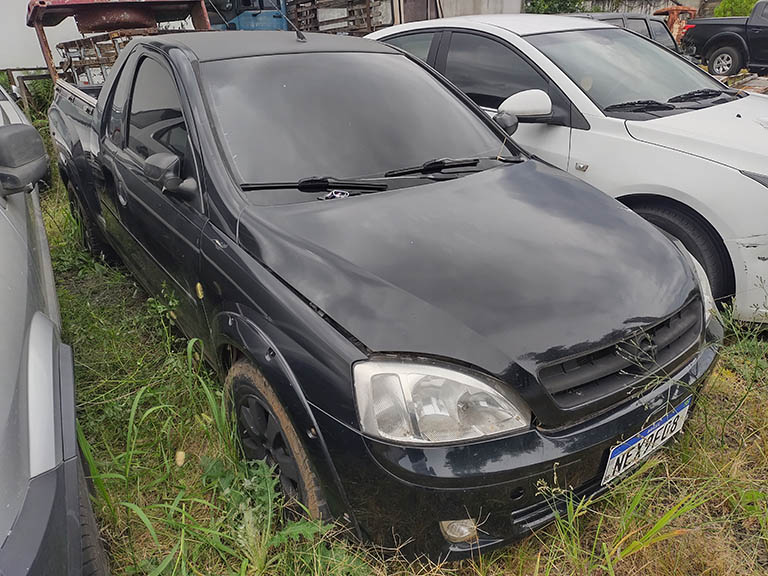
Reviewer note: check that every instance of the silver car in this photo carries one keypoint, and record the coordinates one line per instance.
(46, 521)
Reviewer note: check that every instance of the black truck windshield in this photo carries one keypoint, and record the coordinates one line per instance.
(283, 118)
(621, 71)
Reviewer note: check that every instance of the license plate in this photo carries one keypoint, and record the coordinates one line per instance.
(625, 455)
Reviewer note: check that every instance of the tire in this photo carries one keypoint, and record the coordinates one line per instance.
(699, 239)
(94, 557)
(88, 234)
(267, 433)
(725, 61)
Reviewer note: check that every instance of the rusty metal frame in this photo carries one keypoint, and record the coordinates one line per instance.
(18, 78)
(113, 10)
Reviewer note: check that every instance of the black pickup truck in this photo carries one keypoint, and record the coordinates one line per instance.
(726, 45)
(416, 321)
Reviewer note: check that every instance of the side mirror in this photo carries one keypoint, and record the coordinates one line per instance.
(162, 169)
(528, 106)
(23, 160)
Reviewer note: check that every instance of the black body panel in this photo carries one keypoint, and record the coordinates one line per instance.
(506, 271)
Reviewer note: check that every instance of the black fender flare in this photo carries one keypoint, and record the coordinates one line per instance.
(234, 331)
(726, 39)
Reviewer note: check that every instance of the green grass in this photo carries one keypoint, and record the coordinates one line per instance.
(173, 496)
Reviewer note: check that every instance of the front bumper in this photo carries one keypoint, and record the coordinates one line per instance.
(399, 494)
(751, 301)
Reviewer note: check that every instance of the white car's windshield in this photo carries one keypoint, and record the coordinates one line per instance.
(622, 72)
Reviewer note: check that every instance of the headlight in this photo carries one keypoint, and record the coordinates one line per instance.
(701, 276)
(761, 178)
(706, 289)
(421, 403)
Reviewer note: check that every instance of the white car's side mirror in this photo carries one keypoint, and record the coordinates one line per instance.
(528, 105)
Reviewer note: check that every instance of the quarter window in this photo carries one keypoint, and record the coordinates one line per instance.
(157, 123)
(662, 35)
(615, 22)
(638, 25)
(114, 129)
(415, 44)
(487, 71)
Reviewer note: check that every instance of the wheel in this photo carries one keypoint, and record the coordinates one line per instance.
(699, 240)
(267, 433)
(94, 557)
(88, 235)
(725, 61)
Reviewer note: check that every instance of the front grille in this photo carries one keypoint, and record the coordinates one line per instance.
(633, 363)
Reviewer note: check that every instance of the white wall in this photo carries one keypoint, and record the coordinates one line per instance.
(463, 7)
(18, 44)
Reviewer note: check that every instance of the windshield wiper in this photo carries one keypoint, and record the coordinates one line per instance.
(318, 184)
(701, 94)
(639, 106)
(440, 164)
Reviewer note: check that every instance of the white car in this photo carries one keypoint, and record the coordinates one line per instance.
(631, 118)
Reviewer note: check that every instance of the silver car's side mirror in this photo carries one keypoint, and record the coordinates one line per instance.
(528, 106)
(23, 160)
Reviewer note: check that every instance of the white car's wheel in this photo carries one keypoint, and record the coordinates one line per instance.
(699, 239)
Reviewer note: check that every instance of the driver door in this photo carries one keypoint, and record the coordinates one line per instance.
(164, 230)
(757, 35)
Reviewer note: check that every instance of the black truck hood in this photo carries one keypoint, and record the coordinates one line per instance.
(518, 264)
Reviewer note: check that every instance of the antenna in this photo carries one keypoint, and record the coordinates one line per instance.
(299, 34)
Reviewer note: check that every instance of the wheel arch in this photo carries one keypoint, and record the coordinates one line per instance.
(236, 337)
(633, 200)
(726, 39)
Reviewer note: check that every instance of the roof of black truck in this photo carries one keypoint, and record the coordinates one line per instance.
(224, 45)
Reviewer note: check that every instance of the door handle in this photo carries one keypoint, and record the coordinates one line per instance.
(219, 244)
(121, 197)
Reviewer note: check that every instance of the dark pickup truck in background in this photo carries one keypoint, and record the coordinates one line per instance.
(726, 45)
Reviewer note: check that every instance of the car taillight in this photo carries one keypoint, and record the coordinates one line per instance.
(688, 27)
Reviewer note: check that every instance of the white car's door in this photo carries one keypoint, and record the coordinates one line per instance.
(489, 70)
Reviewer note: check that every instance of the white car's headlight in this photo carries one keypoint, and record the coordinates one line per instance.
(761, 178)
(422, 403)
(706, 289)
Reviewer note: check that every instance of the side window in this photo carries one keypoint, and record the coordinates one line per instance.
(487, 71)
(638, 25)
(415, 44)
(615, 22)
(114, 124)
(662, 35)
(156, 123)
